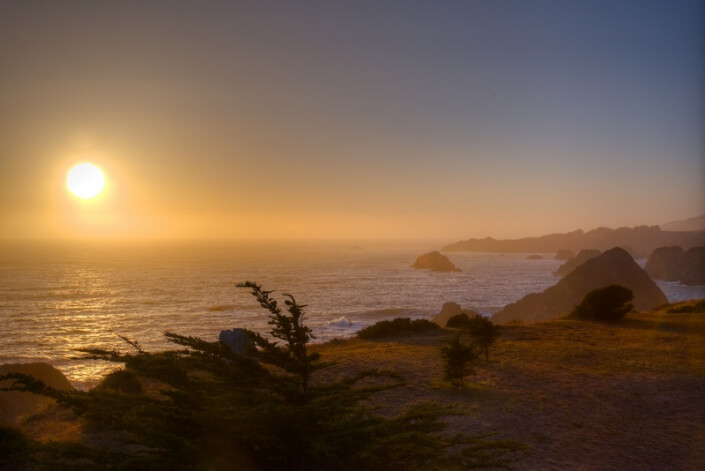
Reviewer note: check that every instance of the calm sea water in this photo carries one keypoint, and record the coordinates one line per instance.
(57, 297)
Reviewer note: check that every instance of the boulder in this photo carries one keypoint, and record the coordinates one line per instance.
(16, 405)
(450, 310)
(434, 261)
(564, 254)
(692, 267)
(615, 266)
(664, 263)
(236, 339)
(572, 263)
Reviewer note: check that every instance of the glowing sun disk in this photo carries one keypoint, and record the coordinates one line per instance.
(85, 180)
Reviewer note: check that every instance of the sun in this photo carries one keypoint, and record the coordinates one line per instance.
(85, 180)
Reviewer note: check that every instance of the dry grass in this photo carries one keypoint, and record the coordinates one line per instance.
(581, 395)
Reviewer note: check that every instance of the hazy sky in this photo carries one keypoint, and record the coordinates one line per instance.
(354, 119)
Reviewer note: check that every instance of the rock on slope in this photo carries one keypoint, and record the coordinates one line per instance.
(14, 405)
(615, 266)
(434, 261)
(450, 310)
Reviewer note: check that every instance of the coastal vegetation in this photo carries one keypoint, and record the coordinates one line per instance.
(605, 395)
(458, 358)
(205, 407)
(608, 304)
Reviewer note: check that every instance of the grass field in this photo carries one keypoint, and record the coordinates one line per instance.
(580, 395)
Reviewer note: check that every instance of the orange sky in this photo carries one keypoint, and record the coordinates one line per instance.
(351, 122)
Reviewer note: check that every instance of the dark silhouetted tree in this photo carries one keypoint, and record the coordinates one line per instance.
(484, 331)
(608, 304)
(458, 357)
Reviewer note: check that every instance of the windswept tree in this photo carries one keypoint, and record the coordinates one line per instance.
(608, 304)
(480, 328)
(458, 356)
(290, 328)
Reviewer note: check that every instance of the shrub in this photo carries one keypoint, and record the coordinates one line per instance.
(608, 304)
(480, 328)
(459, 321)
(684, 308)
(124, 381)
(398, 326)
(458, 357)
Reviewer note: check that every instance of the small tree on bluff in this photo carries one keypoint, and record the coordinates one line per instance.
(458, 359)
(480, 328)
(608, 304)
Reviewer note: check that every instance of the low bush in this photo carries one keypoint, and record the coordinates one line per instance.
(608, 304)
(398, 326)
(459, 321)
(684, 308)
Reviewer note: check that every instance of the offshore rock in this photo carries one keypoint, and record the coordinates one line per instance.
(664, 263)
(434, 261)
(692, 267)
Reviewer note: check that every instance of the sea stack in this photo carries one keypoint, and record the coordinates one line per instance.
(615, 266)
(434, 261)
(572, 263)
(664, 263)
(692, 266)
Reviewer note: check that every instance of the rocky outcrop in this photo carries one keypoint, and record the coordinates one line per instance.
(692, 267)
(573, 263)
(564, 254)
(434, 261)
(615, 266)
(16, 405)
(236, 339)
(674, 264)
(451, 310)
(664, 263)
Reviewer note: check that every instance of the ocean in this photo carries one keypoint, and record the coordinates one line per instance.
(56, 297)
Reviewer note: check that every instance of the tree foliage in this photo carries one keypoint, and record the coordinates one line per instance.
(608, 304)
(458, 358)
(480, 328)
(204, 407)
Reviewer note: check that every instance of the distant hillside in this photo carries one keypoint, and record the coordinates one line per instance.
(692, 224)
(639, 241)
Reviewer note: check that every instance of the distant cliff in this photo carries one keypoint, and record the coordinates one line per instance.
(692, 224)
(639, 241)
